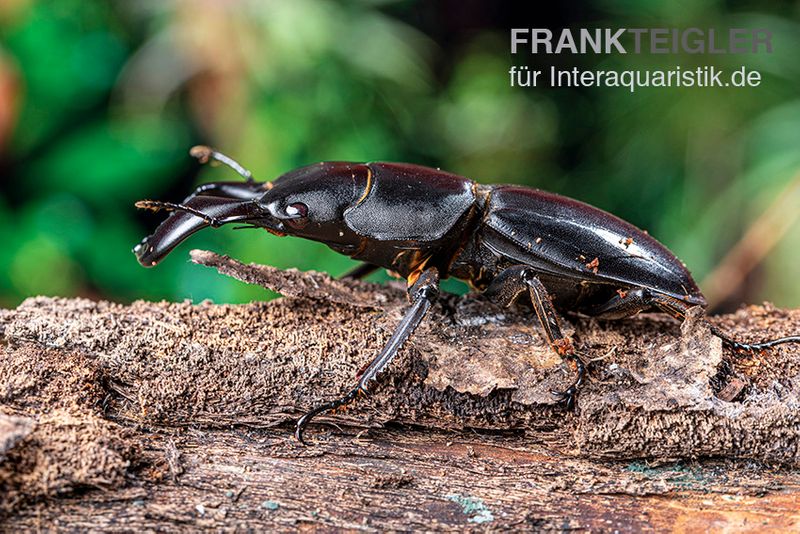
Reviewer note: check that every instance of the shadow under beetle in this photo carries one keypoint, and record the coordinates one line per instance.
(425, 224)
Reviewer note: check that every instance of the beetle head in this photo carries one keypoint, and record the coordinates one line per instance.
(308, 202)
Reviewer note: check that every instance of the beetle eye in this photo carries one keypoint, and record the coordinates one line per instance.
(298, 210)
(297, 214)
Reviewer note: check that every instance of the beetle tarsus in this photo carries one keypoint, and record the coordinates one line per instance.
(567, 397)
(751, 347)
(679, 309)
(328, 406)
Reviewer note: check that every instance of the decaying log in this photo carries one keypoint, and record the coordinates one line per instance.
(173, 413)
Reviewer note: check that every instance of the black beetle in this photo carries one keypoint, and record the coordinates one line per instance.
(423, 224)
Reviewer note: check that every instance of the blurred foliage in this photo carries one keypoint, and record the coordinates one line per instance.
(100, 101)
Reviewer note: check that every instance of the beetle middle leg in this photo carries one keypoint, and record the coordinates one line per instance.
(423, 293)
(512, 283)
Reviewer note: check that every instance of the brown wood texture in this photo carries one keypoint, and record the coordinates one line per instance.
(173, 415)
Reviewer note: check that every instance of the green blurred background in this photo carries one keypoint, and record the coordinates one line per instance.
(100, 101)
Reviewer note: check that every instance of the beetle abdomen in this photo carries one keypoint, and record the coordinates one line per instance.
(562, 236)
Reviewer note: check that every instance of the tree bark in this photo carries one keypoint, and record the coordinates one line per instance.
(159, 414)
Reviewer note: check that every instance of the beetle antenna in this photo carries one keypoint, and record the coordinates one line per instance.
(157, 205)
(753, 346)
(204, 154)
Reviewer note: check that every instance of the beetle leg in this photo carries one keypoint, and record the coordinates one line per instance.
(507, 287)
(360, 271)
(561, 344)
(678, 308)
(623, 305)
(422, 294)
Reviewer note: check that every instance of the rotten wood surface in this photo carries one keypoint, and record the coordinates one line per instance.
(167, 415)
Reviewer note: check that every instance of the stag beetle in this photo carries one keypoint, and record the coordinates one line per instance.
(425, 224)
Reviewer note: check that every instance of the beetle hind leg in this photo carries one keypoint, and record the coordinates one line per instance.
(511, 284)
(623, 304)
(679, 308)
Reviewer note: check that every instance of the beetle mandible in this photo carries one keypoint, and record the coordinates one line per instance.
(425, 224)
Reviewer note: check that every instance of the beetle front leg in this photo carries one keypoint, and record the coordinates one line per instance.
(423, 293)
(507, 287)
